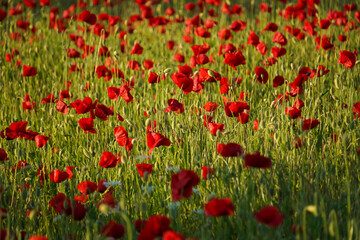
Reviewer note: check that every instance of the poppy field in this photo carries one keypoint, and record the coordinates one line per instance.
(166, 119)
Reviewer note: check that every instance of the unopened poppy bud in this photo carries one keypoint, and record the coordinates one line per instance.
(27, 179)
(292, 66)
(131, 78)
(121, 204)
(133, 141)
(104, 208)
(179, 126)
(147, 122)
(86, 153)
(32, 214)
(312, 209)
(168, 70)
(195, 73)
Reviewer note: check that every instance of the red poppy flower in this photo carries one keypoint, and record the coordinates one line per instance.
(224, 34)
(324, 23)
(293, 112)
(113, 230)
(87, 187)
(261, 75)
(237, 25)
(102, 112)
(122, 138)
(322, 71)
(210, 106)
(148, 64)
(184, 82)
(137, 49)
(61, 107)
(58, 176)
(41, 140)
(70, 171)
(310, 124)
(72, 53)
(15, 130)
(154, 227)
(179, 57)
(278, 81)
(182, 184)
(217, 207)
(2, 14)
(298, 103)
(144, 167)
(347, 59)
(102, 71)
(28, 105)
(261, 48)
(45, 2)
(205, 77)
(172, 235)
(29, 71)
(234, 59)
(269, 215)
(153, 78)
(38, 237)
(78, 211)
(139, 225)
(49, 99)
(234, 109)
(88, 17)
(214, 128)
(108, 160)
(257, 161)
(207, 171)
(356, 110)
(229, 150)
(280, 39)
(87, 124)
(253, 39)
(3, 155)
(278, 52)
(174, 105)
(270, 27)
(154, 140)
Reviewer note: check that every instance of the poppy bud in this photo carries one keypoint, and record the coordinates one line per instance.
(210, 73)
(292, 66)
(129, 122)
(133, 141)
(168, 70)
(27, 179)
(104, 208)
(32, 214)
(121, 204)
(147, 122)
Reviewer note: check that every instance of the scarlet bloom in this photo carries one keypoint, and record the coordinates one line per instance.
(137, 49)
(270, 27)
(229, 150)
(214, 128)
(174, 105)
(210, 106)
(310, 124)
(87, 187)
(179, 57)
(234, 109)
(154, 227)
(280, 39)
(237, 25)
(278, 81)
(154, 140)
(182, 184)
(234, 59)
(224, 34)
(27, 104)
(102, 71)
(257, 161)
(207, 171)
(113, 230)
(88, 17)
(41, 140)
(217, 207)
(261, 75)
(153, 78)
(172, 235)
(253, 39)
(293, 112)
(278, 52)
(2, 14)
(29, 71)
(3, 155)
(38, 238)
(347, 59)
(144, 167)
(108, 160)
(269, 215)
(62, 107)
(87, 124)
(184, 82)
(58, 176)
(356, 110)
